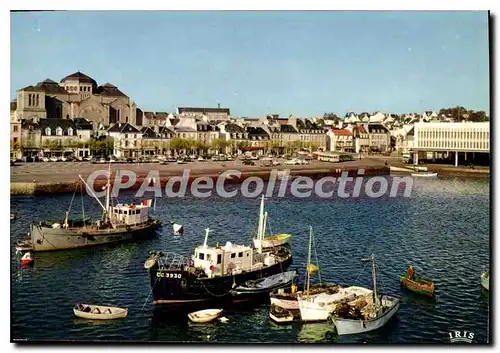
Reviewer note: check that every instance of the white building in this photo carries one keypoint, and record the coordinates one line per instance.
(452, 137)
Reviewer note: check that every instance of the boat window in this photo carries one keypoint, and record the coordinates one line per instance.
(248, 254)
(120, 212)
(219, 258)
(202, 256)
(208, 257)
(233, 255)
(240, 254)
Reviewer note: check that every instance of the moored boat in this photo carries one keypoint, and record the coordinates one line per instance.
(203, 316)
(364, 316)
(424, 174)
(266, 285)
(280, 315)
(268, 241)
(178, 229)
(120, 223)
(485, 280)
(99, 312)
(211, 275)
(418, 285)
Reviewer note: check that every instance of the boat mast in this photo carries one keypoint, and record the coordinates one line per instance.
(108, 187)
(93, 194)
(309, 262)
(260, 236)
(374, 278)
(264, 226)
(206, 238)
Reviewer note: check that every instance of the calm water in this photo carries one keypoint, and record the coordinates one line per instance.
(442, 229)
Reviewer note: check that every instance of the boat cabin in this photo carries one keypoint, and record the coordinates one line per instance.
(224, 260)
(129, 214)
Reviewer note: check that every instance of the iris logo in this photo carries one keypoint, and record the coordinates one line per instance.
(461, 336)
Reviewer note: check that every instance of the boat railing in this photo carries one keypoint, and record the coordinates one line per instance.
(172, 261)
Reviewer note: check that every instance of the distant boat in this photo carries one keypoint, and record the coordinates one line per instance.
(485, 280)
(376, 315)
(424, 174)
(418, 285)
(99, 312)
(206, 315)
(262, 241)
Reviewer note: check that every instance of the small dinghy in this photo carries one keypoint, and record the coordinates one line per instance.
(26, 260)
(267, 284)
(204, 316)
(99, 312)
(280, 315)
(418, 285)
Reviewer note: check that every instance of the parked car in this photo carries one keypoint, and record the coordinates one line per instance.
(201, 159)
(292, 162)
(248, 162)
(53, 159)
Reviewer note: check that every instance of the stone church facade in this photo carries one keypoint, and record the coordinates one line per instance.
(76, 96)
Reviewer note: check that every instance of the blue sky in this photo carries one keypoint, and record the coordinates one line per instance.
(301, 63)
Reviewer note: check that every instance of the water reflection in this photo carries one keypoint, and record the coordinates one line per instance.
(317, 332)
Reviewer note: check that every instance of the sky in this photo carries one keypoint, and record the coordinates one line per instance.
(255, 63)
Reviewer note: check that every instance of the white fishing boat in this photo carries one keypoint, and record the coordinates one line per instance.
(280, 315)
(204, 316)
(485, 280)
(99, 312)
(269, 241)
(317, 305)
(267, 284)
(424, 175)
(372, 317)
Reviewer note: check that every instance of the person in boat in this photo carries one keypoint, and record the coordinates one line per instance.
(411, 273)
(96, 311)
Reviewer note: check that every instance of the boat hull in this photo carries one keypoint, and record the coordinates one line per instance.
(350, 326)
(425, 288)
(51, 239)
(116, 313)
(285, 303)
(180, 289)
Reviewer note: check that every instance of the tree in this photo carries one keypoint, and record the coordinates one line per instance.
(219, 144)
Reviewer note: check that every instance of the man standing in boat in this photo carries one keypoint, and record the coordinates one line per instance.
(411, 273)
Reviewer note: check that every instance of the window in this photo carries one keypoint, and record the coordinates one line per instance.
(58, 131)
(233, 255)
(47, 131)
(201, 256)
(70, 131)
(120, 212)
(29, 99)
(240, 254)
(209, 257)
(15, 139)
(219, 258)
(15, 128)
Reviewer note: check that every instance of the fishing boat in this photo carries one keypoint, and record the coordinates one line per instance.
(270, 240)
(317, 305)
(99, 312)
(485, 280)
(418, 285)
(280, 315)
(26, 260)
(266, 285)
(211, 274)
(424, 174)
(120, 222)
(364, 317)
(204, 316)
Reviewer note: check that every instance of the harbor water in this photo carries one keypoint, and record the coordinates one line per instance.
(442, 229)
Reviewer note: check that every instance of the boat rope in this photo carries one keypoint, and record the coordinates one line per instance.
(83, 208)
(361, 272)
(150, 291)
(72, 198)
(216, 295)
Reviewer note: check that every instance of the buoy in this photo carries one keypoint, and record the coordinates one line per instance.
(26, 259)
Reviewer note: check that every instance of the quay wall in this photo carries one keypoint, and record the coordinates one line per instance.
(59, 187)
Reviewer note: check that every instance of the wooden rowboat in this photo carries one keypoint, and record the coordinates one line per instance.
(280, 315)
(99, 312)
(203, 316)
(419, 285)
